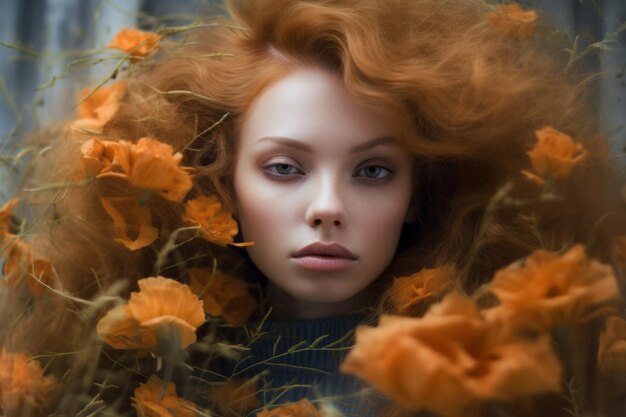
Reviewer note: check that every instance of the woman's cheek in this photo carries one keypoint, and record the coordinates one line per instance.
(262, 214)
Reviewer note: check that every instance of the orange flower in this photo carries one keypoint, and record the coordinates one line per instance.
(155, 165)
(155, 399)
(550, 289)
(411, 295)
(104, 158)
(302, 408)
(97, 107)
(24, 389)
(450, 359)
(216, 225)
(6, 218)
(163, 309)
(222, 295)
(236, 397)
(612, 346)
(554, 156)
(147, 164)
(513, 21)
(136, 43)
(131, 222)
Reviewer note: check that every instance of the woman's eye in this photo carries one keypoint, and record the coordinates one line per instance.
(281, 169)
(373, 172)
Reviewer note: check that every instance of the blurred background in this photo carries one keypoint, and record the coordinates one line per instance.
(41, 71)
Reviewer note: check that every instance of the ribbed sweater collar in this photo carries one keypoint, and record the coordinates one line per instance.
(291, 343)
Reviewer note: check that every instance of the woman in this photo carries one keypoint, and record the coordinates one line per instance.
(354, 141)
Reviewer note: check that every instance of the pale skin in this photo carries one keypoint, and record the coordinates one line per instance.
(323, 188)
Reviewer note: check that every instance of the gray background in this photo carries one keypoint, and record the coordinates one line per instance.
(50, 28)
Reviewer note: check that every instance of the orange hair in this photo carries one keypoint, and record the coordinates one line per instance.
(469, 98)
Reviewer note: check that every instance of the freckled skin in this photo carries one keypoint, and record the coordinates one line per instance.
(330, 192)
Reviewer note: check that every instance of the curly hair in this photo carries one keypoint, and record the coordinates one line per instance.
(469, 99)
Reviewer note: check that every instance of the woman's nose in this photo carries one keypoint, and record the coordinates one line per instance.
(326, 207)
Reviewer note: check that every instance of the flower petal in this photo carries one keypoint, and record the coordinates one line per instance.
(216, 225)
(132, 223)
(156, 399)
(137, 43)
(120, 330)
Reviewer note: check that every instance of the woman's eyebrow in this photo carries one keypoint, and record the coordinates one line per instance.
(296, 144)
(372, 143)
(291, 143)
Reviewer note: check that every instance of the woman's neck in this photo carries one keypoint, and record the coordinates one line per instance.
(286, 307)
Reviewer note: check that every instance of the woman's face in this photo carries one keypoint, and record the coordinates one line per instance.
(323, 190)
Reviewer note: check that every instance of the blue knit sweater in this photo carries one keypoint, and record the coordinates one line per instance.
(300, 359)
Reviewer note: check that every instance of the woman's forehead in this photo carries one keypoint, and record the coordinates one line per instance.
(309, 103)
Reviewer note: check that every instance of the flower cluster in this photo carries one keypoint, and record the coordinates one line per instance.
(458, 356)
(142, 168)
(162, 317)
(147, 166)
(131, 179)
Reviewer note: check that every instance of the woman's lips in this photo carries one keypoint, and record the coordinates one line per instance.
(318, 263)
(324, 257)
